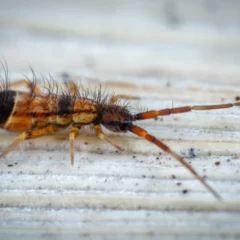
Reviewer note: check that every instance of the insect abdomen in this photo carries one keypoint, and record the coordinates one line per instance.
(7, 102)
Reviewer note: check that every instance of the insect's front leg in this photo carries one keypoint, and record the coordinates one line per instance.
(102, 136)
(28, 135)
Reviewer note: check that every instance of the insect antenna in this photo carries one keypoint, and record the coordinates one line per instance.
(169, 111)
(144, 134)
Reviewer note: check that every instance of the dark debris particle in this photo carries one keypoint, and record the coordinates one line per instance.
(173, 176)
(86, 143)
(168, 84)
(217, 163)
(228, 160)
(191, 153)
(143, 176)
(179, 183)
(10, 165)
(148, 214)
(184, 191)
(65, 76)
(133, 156)
(237, 98)
(157, 158)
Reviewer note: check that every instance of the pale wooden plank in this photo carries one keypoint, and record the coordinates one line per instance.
(127, 195)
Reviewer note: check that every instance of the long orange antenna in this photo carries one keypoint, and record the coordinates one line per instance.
(169, 111)
(144, 134)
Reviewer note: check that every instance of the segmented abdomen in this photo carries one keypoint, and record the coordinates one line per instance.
(23, 111)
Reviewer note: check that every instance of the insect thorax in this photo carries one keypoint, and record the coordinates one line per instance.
(84, 111)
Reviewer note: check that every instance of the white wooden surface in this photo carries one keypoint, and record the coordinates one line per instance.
(169, 53)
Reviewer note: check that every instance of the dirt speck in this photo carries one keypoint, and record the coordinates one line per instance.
(191, 153)
(173, 176)
(184, 191)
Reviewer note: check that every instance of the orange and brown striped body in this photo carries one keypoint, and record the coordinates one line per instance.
(27, 112)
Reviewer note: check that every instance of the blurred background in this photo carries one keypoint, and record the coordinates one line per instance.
(156, 39)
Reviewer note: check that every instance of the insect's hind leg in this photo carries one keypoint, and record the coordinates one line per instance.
(28, 135)
(117, 97)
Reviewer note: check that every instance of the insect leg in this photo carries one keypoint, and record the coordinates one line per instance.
(144, 134)
(115, 98)
(72, 87)
(104, 137)
(168, 111)
(27, 83)
(74, 132)
(29, 135)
